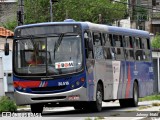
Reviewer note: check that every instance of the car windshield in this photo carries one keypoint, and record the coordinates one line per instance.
(54, 55)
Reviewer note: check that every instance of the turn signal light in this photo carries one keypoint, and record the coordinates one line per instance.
(82, 79)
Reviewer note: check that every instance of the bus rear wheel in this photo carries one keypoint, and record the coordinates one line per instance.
(36, 108)
(133, 102)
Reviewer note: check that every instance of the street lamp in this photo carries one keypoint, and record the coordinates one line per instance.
(51, 9)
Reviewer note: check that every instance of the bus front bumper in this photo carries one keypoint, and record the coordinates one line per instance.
(79, 94)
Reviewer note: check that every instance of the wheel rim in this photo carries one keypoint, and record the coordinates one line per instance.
(99, 98)
(135, 94)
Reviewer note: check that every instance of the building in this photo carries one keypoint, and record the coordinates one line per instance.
(8, 10)
(6, 81)
(145, 15)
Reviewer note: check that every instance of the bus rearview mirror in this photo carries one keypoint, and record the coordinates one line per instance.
(6, 48)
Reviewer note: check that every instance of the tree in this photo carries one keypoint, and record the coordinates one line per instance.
(89, 10)
(80, 10)
(36, 11)
(156, 41)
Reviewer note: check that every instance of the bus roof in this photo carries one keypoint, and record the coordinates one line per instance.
(118, 30)
(98, 27)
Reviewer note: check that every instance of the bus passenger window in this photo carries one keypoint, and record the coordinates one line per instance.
(116, 40)
(127, 41)
(130, 42)
(139, 55)
(148, 44)
(88, 45)
(99, 53)
(107, 40)
(138, 43)
(129, 54)
(145, 43)
(107, 53)
(97, 40)
(121, 41)
(119, 53)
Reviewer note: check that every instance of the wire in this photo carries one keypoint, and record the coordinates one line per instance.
(140, 6)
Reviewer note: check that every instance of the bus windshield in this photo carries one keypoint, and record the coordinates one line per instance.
(52, 55)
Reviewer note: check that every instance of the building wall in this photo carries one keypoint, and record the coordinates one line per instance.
(7, 11)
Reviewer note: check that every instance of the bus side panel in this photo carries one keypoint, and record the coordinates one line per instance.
(116, 78)
(90, 79)
(143, 73)
(126, 80)
(145, 78)
(104, 72)
(122, 82)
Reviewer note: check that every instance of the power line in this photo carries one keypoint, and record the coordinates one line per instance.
(140, 6)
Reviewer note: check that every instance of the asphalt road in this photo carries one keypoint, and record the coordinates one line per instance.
(110, 111)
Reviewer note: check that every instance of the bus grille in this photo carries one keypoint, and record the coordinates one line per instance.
(48, 89)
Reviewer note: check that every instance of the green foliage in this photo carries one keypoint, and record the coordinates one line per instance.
(89, 10)
(148, 98)
(80, 10)
(7, 105)
(36, 11)
(156, 41)
(10, 25)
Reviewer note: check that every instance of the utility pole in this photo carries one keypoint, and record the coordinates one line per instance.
(20, 12)
(51, 11)
(51, 8)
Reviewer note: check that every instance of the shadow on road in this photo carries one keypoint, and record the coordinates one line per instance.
(106, 111)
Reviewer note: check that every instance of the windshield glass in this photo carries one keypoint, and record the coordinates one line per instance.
(55, 55)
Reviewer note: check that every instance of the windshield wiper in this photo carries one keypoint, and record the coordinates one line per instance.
(57, 43)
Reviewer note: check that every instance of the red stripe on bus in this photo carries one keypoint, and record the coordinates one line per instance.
(128, 83)
(26, 84)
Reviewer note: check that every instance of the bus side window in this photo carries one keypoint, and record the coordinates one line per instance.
(115, 40)
(106, 40)
(127, 41)
(97, 39)
(146, 49)
(107, 53)
(148, 44)
(110, 39)
(130, 42)
(138, 43)
(121, 41)
(88, 45)
(145, 43)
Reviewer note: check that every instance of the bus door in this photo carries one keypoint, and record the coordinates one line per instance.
(118, 66)
(90, 64)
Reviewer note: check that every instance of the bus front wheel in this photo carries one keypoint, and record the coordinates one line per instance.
(97, 105)
(36, 108)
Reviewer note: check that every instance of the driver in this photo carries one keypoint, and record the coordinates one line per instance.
(35, 60)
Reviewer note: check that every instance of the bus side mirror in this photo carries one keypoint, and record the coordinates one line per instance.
(6, 48)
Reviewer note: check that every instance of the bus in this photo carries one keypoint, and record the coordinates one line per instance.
(80, 64)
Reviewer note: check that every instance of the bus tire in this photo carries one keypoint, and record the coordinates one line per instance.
(36, 108)
(134, 100)
(96, 106)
